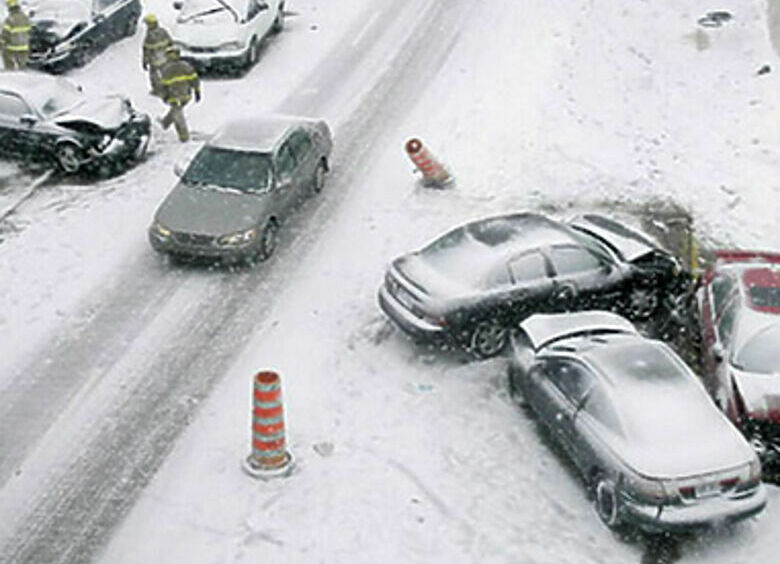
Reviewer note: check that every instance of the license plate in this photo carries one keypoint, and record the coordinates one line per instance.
(706, 490)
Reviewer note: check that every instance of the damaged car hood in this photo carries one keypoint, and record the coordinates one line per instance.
(59, 17)
(106, 112)
(629, 243)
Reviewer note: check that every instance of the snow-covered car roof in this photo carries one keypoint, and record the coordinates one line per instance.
(37, 88)
(191, 8)
(255, 134)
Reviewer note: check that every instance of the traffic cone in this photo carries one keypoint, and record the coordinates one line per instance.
(269, 457)
(434, 173)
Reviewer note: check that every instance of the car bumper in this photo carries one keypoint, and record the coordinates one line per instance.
(229, 255)
(418, 328)
(704, 513)
(215, 59)
(52, 61)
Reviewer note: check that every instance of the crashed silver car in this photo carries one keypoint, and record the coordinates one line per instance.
(636, 422)
(47, 118)
(241, 186)
(471, 284)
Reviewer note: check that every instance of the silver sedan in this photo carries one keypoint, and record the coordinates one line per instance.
(636, 422)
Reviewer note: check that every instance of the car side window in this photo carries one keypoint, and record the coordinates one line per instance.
(722, 287)
(529, 266)
(12, 107)
(301, 144)
(601, 409)
(571, 378)
(101, 5)
(726, 322)
(568, 259)
(285, 161)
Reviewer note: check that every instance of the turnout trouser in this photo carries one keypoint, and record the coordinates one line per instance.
(15, 60)
(175, 116)
(155, 80)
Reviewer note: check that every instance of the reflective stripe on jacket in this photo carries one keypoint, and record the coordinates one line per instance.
(156, 42)
(16, 32)
(178, 81)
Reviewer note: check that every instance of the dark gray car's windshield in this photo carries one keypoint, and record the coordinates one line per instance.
(226, 168)
(761, 353)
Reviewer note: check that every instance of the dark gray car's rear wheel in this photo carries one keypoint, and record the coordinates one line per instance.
(268, 239)
(488, 339)
(68, 156)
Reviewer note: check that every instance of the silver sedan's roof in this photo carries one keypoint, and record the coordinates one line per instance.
(255, 134)
(35, 87)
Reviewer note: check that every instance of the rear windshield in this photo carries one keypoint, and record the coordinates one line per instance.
(761, 354)
(226, 168)
(764, 298)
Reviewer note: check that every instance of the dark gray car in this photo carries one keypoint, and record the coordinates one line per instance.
(636, 421)
(241, 186)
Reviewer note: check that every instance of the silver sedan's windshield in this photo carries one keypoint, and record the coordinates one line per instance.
(226, 168)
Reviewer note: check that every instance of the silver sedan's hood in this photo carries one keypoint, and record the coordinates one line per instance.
(630, 243)
(106, 112)
(209, 210)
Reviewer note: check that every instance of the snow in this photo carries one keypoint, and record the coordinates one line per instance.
(402, 454)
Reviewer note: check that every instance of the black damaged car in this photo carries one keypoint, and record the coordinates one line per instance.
(48, 118)
(68, 33)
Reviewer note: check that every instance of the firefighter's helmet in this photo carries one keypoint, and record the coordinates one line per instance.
(150, 19)
(13, 3)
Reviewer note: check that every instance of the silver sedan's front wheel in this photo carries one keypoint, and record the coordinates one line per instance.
(318, 182)
(488, 339)
(607, 504)
(268, 239)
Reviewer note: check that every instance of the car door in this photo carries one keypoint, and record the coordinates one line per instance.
(285, 165)
(17, 125)
(531, 284)
(306, 160)
(560, 388)
(579, 277)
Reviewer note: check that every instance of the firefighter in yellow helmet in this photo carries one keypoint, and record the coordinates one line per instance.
(15, 37)
(179, 82)
(156, 41)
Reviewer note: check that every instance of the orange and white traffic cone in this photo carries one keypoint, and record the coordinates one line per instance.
(269, 457)
(434, 173)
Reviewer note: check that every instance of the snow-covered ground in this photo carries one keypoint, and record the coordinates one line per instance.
(549, 105)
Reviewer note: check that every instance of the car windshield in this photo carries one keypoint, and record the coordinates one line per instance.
(61, 97)
(225, 168)
(220, 10)
(761, 354)
(60, 10)
(641, 362)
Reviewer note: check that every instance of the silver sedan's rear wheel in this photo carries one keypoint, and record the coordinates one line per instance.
(488, 339)
(607, 504)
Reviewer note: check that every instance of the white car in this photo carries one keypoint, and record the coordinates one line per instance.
(225, 34)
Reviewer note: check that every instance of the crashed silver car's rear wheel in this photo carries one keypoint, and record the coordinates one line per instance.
(68, 156)
(607, 504)
(488, 339)
(642, 302)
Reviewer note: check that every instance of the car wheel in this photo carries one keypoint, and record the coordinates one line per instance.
(268, 239)
(68, 157)
(253, 54)
(607, 504)
(642, 302)
(132, 25)
(488, 339)
(278, 25)
(318, 181)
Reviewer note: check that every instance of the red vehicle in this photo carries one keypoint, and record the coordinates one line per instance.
(739, 311)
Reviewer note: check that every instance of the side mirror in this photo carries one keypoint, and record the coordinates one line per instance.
(178, 5)
(178, 169)
(262, 6)
(718, 354)
(28, 119)
(97, 18)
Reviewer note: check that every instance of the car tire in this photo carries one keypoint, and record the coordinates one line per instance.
(278, 24)
(641, 302)
(268, 240)
(253, 54)
(606, 502)
(488, 339)
(318, 179)
(69, 157)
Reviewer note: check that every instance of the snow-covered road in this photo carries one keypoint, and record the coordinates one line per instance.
(112, 352)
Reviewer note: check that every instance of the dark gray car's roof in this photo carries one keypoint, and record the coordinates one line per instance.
(254, 134)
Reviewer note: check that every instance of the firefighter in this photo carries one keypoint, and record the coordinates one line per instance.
(179, 82)
(15, 38)
(156, 41)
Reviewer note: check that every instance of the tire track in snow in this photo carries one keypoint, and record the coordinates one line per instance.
(77, 512)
